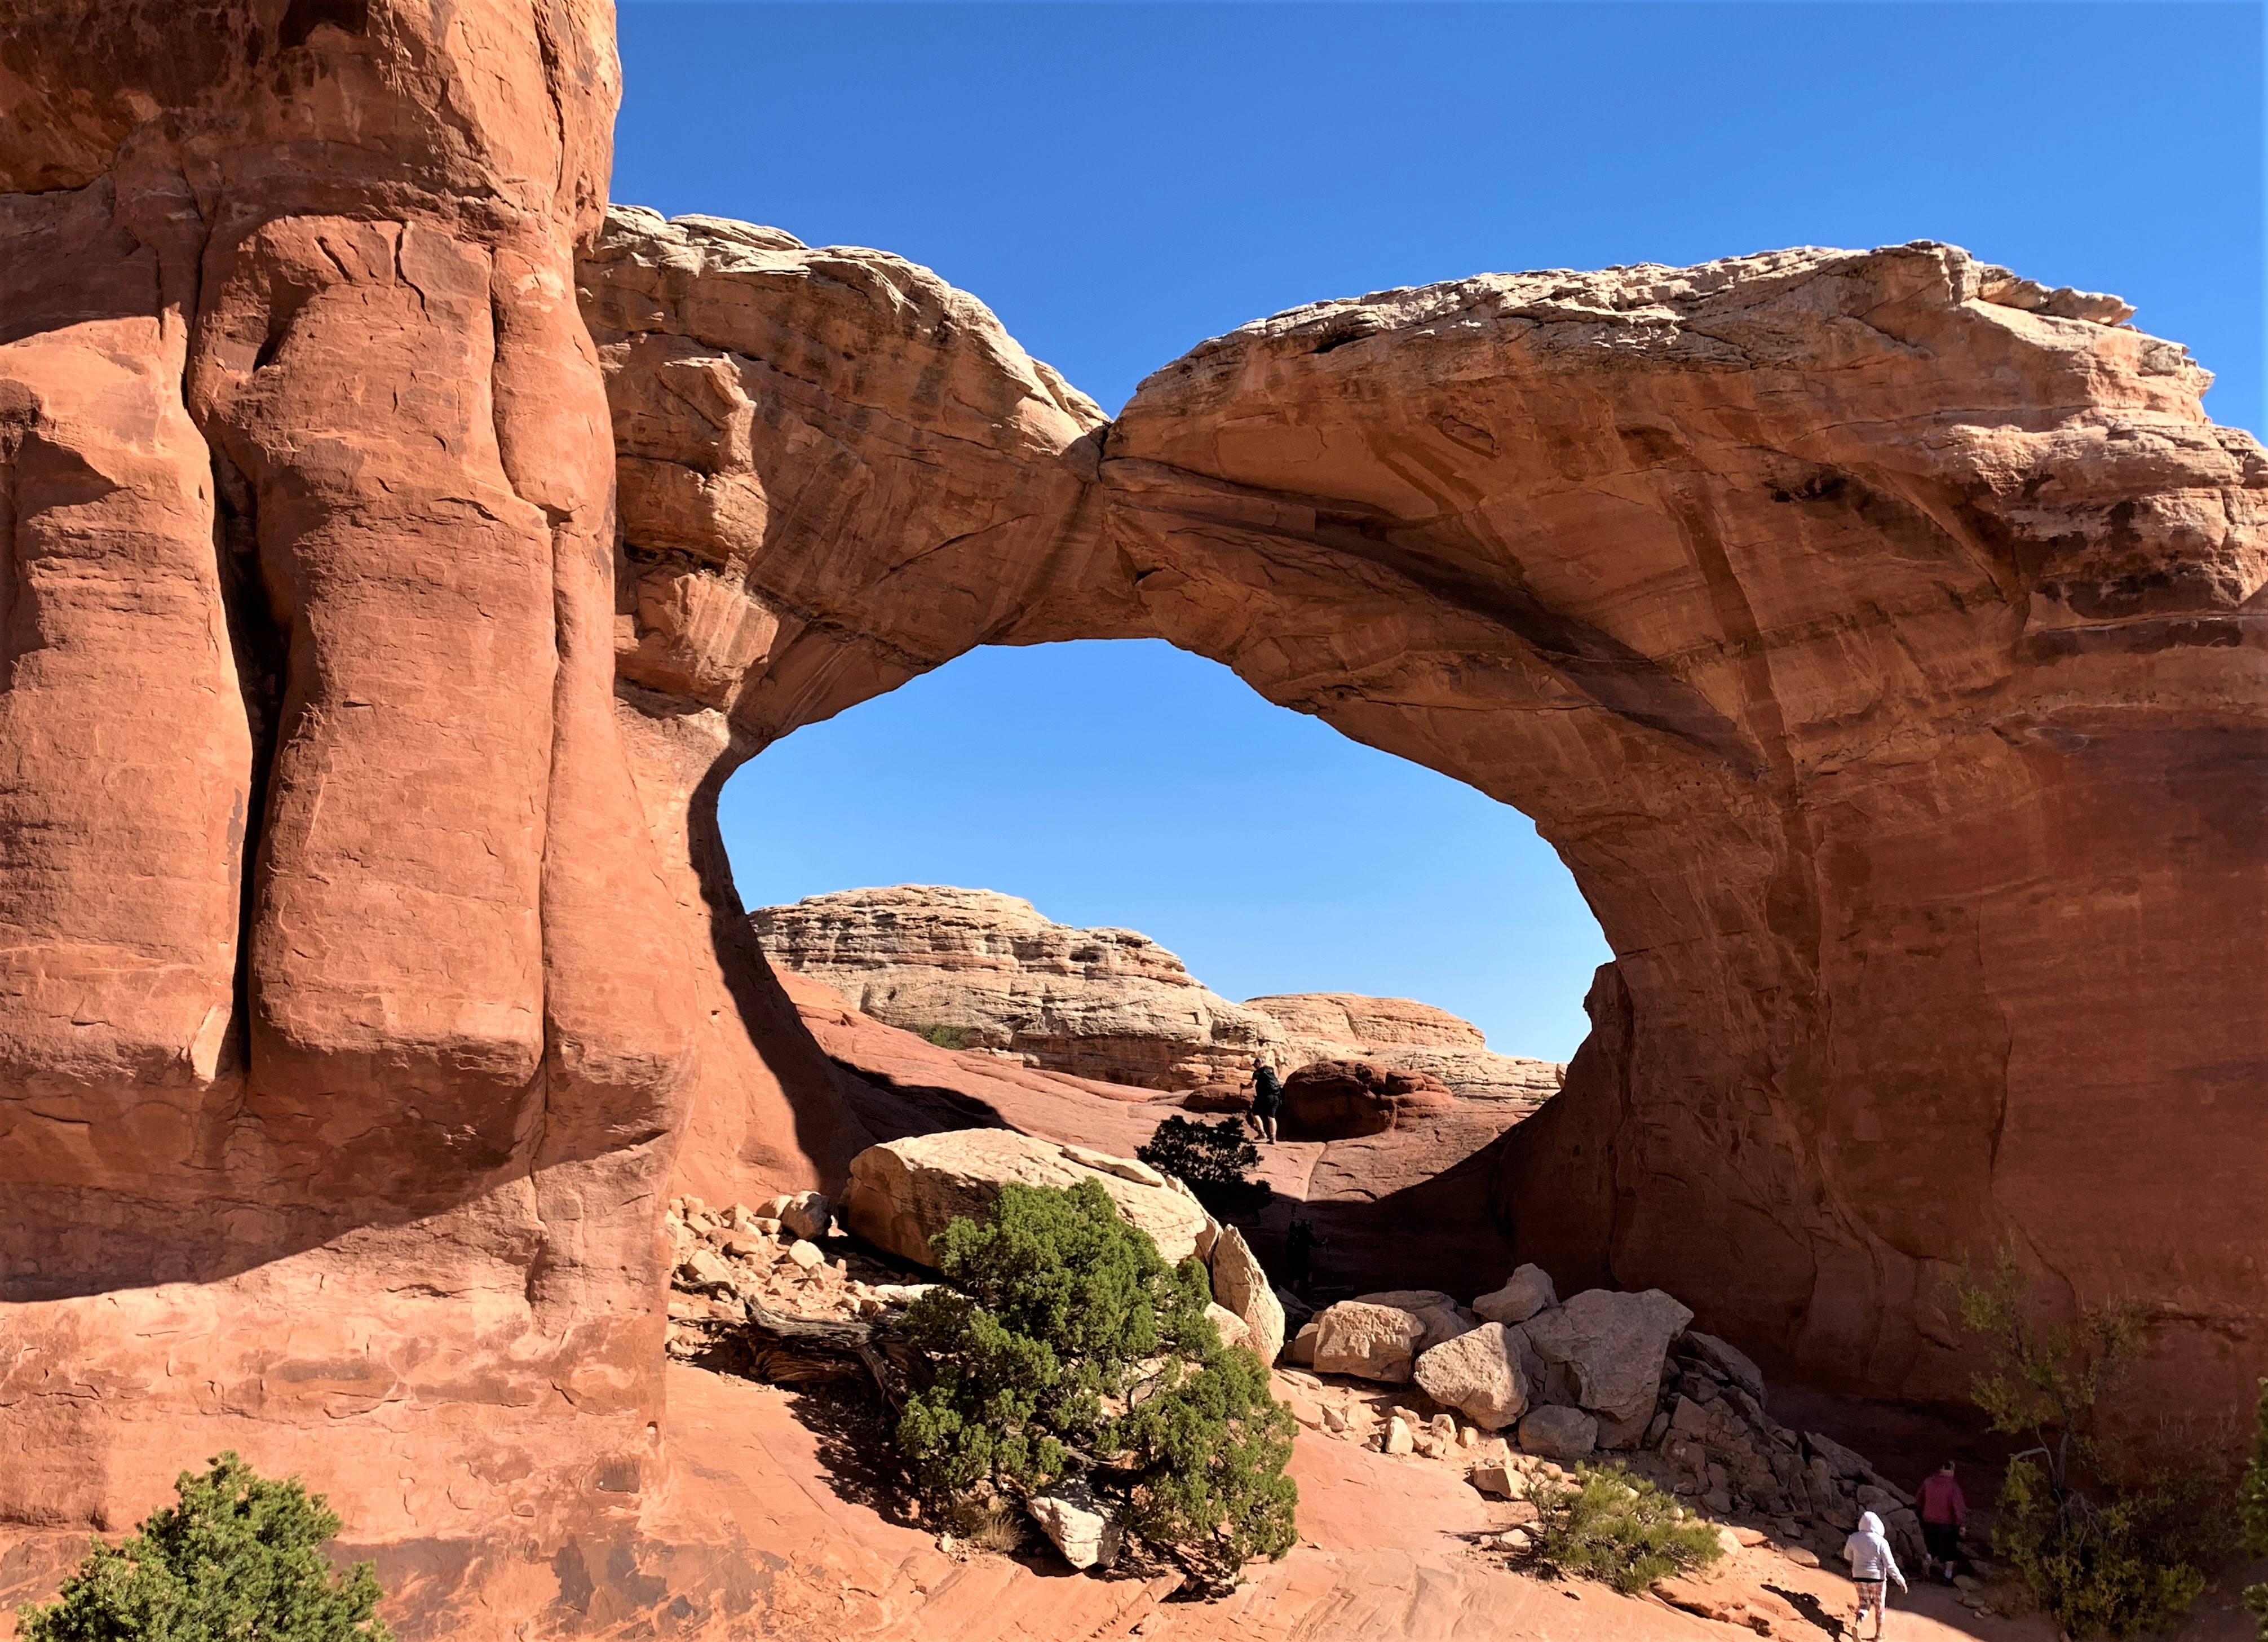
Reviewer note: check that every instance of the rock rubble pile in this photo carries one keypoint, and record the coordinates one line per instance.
(1514, 1390)
(1603, 1375)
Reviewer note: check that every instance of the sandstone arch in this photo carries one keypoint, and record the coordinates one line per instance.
(1878, 638)
(1827, 610)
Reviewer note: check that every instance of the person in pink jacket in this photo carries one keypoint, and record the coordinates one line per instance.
(1944, 1512)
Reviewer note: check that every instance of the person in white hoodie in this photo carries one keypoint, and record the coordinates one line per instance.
(1871, 1569)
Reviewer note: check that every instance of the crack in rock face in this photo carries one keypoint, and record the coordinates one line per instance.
(402, 547)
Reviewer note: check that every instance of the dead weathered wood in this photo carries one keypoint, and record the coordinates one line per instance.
(779, 1348)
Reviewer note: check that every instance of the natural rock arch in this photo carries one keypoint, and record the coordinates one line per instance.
(1868, 631)
(1876, 636)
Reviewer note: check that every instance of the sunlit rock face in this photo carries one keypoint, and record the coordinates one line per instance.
(976, 969)
(1875, 634)
(337, 1086)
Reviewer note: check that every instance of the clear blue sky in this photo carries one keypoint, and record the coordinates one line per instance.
(1120, 181)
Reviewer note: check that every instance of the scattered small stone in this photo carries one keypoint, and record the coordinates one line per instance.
(1493, 1479)
(1801, 1557)
(806, 1255)
(706, 1269)
(1398, 1438)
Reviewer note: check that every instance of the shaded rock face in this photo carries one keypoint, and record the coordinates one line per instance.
(981, 970)
(1402, 1034)
(1338, 1100)
(1876, 645)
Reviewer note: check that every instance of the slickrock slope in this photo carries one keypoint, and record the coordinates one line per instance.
(990, 973)
(1402, 1034)
(1876, 636)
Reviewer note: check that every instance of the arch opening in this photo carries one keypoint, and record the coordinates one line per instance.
(1793, 597)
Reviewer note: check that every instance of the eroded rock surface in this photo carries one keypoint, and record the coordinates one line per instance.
(1876, 644)
(1343, 1099)
(977, 970)
(1402, 1034)
(337, 1094)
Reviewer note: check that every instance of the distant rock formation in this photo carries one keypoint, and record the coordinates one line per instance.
(1402, 1034)
(1342, 1099)
(975, 969)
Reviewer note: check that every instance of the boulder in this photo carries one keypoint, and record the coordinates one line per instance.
(1729, 1362)
(1241, 1283)
(1497, 1479)
(1085, 1530)
(903, 1192)
(1229, 1325)
(1556, 1432)
(1604, 1350)
(1443, 1317)
(1370, 1341)
(1300, 1350)
(806, 1214)
(1525, 1293)
(1477, 1373)
(1339, 1099)
(705, 1268)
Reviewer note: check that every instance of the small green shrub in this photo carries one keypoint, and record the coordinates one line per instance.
(1212, 1159)
(238, 1557)
(2119, 1569)
(2253, 1510)
(1620, 1528)
(949, 1037)
(2119, 1560)
(1065, 1346)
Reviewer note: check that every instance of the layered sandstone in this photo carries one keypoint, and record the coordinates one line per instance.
(335, 1089)
(1402, 1034)
(977, 970)
(1874, 637)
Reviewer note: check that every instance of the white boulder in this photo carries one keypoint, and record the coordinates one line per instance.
(1241, 1283)
(1557, 1433)
(1605, 1349)
(903, 1192)
(1368, 1341)
(1085, 1530)
(1478, 1374)
(1443, 1318)
(1526, 1292)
